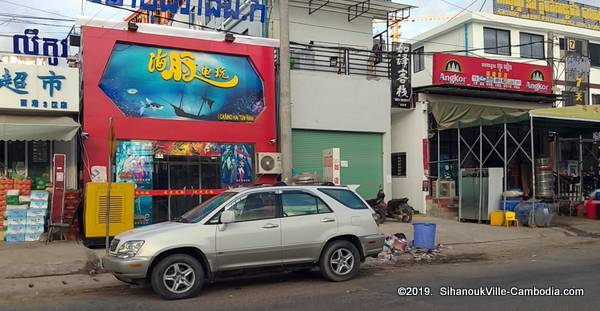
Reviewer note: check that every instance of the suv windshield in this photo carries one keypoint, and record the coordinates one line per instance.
(199, 212)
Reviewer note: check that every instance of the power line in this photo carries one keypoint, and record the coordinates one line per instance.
(35, 9)
(36, 17)
(18, 21)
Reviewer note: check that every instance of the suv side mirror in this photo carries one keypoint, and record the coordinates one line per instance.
(227, 217)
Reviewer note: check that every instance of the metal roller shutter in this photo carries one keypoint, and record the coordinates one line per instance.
(363, 151)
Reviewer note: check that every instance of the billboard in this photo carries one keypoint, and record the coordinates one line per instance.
(401, 76)
(31, 87)
(175, 84)
(561, 12)
(456, 70)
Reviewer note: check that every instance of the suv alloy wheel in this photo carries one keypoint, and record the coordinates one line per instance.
(177, 276)
(340, 261)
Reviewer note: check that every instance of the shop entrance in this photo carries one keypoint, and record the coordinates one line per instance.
(182, 173)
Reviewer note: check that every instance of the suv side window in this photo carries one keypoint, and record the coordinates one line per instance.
(256, 206)
(299, 203)
(346, 197)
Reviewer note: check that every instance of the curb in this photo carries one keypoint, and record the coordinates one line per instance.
(52, 285)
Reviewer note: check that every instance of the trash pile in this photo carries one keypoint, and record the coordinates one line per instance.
(397, 248)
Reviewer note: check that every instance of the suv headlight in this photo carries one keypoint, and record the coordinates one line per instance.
(129, 249)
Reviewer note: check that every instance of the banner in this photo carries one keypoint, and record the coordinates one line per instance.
(456, 70)
(561, 12)
(133, 163)
(236, 164)
(401, 77)
(577, 73)
(31, 87)
(163, 83)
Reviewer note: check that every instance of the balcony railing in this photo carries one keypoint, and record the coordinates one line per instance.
(340, 60)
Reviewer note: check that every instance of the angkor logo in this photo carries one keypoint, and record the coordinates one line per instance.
(453, 66)
(536, 75)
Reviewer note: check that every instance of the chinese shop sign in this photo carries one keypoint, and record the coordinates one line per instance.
(30, 87)
(401, 82)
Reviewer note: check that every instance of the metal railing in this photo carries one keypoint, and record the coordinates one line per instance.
(339, 60)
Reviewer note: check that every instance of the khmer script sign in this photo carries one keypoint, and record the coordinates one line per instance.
(208, 8)
(30, 87)
(29, 43)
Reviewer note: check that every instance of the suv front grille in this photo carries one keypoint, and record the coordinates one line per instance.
(113, 245)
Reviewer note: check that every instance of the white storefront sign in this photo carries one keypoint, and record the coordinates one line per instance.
(30, 87)
(331, 165)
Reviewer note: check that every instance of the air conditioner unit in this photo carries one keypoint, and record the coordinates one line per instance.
(443, 189)
(269, 163)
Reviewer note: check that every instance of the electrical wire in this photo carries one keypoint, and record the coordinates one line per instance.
(37, 17)
(35, 9)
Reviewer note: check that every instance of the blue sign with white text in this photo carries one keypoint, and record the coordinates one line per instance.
(209, 8)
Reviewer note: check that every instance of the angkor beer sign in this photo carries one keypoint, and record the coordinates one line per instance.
(209, 8)
(552, 11)
(456, 70)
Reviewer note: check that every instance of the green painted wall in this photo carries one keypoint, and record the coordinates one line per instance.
(363, 151)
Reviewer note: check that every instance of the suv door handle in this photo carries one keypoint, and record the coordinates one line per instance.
(270, 226)
(327, 219)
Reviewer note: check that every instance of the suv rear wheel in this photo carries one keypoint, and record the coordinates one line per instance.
(340, 261)
(177, 276)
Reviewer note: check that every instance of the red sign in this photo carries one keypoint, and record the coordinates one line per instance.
(449, 69)
(179, 192)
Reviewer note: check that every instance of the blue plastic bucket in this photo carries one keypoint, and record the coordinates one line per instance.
(424, 235)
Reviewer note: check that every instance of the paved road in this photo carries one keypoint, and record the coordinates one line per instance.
(375, 289)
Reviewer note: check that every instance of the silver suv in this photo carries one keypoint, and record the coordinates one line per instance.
(246, 228)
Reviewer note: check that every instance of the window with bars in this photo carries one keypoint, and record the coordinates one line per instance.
(399, 164)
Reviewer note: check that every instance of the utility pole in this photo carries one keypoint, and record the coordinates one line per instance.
(285, 105)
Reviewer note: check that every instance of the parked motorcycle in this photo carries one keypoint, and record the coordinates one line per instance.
(398, 209)
(379, 206)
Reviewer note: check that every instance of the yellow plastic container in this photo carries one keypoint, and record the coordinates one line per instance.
(497, 218)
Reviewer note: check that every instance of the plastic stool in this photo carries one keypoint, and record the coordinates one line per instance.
(510, 217)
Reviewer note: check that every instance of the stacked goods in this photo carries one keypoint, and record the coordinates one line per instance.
(5, 184)
(23, 185)
(39, 183)
(36, 215)
(23, 212)
(72, 201)
(15, 223)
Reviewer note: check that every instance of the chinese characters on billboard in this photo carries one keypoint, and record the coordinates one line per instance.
(456, 70)
(31, 87)
(401, 77)
(173, 84)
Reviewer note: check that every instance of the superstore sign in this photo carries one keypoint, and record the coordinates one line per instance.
(484, 73)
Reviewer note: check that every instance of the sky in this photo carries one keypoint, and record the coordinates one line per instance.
(73, 8)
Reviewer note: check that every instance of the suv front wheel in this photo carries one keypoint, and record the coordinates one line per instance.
(177, 276)
(340, 261)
